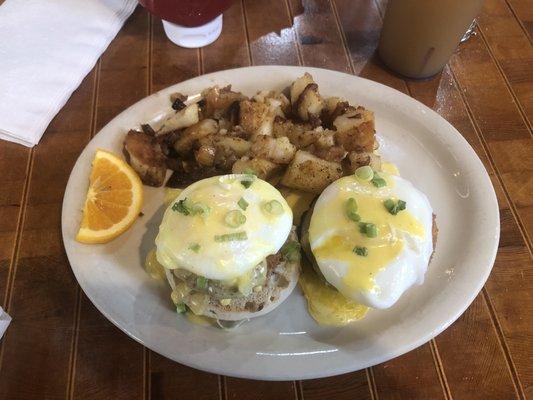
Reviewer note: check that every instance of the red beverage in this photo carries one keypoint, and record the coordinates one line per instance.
(189, 13)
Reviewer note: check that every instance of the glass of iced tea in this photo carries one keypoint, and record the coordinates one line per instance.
(419, 36)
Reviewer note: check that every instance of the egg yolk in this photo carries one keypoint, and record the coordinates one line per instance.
(380, 250)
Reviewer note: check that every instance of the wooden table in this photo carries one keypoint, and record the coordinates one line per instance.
(59, 346)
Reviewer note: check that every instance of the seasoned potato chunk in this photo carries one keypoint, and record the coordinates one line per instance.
(299, 85)
(310, 173)
(278, 150)
(355, 130)
(309, 104)
(144, 154)
(356, 160)
(180, 119)
(218, 100)
(256, 118)
(264, 169)
(184, 144)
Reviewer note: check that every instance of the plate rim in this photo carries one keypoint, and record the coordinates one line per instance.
(397, 351)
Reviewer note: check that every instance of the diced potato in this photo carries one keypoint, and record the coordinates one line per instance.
(278, 150)
(144, 154)
(299, 85)
(356, 130)
(264, 169)
(356, 160)
(236, 145)
(310, 173)
(300, 135)
(180, 119)
(333, 153)
(256, 118)
(184, 144)
(218, 100)
(309, 104)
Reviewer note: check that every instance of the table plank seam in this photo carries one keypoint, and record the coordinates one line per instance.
(79, 293)
(501, 338)
(372, 387)
(13, 264)
(519, 21)
(344, 40)
(222, 388)
(294, 33)
(492, 313)
(516, 100)
(246, 33)
(74, 345)
(485, 147)
(440, 369)
(18, 232)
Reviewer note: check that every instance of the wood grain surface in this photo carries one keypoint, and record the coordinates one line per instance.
(59, 346)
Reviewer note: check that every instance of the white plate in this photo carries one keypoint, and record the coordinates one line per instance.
(287, 344)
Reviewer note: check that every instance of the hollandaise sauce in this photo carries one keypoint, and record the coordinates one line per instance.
(325, 304)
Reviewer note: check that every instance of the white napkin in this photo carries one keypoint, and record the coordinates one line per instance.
(5, 320)
(46, 49)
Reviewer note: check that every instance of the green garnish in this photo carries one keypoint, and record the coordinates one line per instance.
(368, 229)
(230, 237)
(194, 247)
(291, 251)
(181, 308)
(273, 207)
(360, 251)
(251, 175)
(394, 207)
(201, 282)
(351, 210)
(249, 171)
(364, 173)
(234, 219)
(182, 206)
(200, 209)
(243, 204)
(378, 181)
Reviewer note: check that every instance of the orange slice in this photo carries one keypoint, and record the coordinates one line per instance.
(113, 201)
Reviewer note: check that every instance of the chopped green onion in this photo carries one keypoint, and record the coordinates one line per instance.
(401, 205)
(378, 181)
(201, 282)
(246, 184)
(200, 209)
(234, 218)
(194, 247)
(243, 204)
(273, 207)
(360, 251)
(182, 206)
(230, 237)
(291, 251)
(249, 171)
(369, 229)
(181, 308)
(394, 208)
(351, 210)
(364, 173)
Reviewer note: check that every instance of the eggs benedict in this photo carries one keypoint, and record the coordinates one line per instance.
(229, 248)
(370, 236)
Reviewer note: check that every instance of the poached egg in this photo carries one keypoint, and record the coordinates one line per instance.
(375, 265)
(222, 227)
